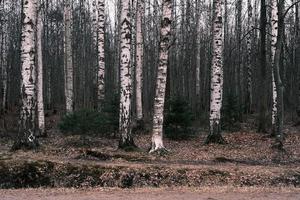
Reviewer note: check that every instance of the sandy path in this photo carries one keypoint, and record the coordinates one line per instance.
(152, 194)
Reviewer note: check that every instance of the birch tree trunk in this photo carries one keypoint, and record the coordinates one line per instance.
(276, 71)
(101, 55)
(125, 77)
(139, 59)
(161, 81)
(68, 60)
(216, 75)
(27, 136)
(94, 17)
(249, 95)
(274, 35)
(40, 82)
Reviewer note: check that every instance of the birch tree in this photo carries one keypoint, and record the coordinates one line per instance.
(216, 75)
(101, 56)
(40, 82)
(68, 60)
(27, 131)
(125, 120)
(161, 80)
(274, 35)
(276, 70)
(139, 59)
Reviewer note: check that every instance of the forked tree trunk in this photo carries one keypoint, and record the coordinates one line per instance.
(40, 82)
(68, 60)
(125, 77)
(216, 75)
(101, 55)
(27, 136)
(139, 59)
(161, 81)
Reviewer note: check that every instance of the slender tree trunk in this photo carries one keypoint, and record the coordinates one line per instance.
(68, 58)
(198, 54)
(40, 82)
(249, 95)
(125, 77)
(27, 130)
(298, 58)
(4, 52)
(139, 59)
(216, 75)
(274, 32)
(276, 71)
(101, 55)
(239, 69)
(263, 71)
(161, 81)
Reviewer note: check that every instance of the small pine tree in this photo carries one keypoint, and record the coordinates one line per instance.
(230, 114)
(89, 121)
(178, 119)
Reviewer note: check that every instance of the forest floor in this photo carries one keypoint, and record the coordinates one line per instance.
(211, 193)
(68, 161)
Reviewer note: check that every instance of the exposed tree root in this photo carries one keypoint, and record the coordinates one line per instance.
(161, 151)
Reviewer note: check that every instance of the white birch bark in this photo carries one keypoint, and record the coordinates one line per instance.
(94, 21)
(101, 55)
(40, 82)
(279, 17)
(125, 76)
(161, 81)
(139, 59)
(216, 74)
(68, 60)
(27, 136)
(274, 32)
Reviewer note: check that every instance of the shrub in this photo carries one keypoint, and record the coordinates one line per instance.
(178, 119)
(89, 121)
(230, 114)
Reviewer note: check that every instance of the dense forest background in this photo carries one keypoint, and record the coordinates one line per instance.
(247, 62)
(203, 94)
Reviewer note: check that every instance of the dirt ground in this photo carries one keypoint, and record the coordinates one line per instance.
(248, 160)
(153, 194)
